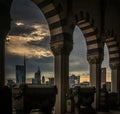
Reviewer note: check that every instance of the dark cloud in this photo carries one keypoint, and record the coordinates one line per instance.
(27, 13)
(78, 56)
(43, 43)
(78, 67)
(46, 63)
(11, 60)
(26, 10)
(21, 30)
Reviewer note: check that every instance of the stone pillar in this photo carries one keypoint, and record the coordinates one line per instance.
(2, 61)
(115, 77)
(61, 76)
(95, 77)
(5, 21)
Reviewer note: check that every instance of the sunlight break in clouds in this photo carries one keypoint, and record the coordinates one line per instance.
(17, 46)
(19, 23)
(20, 45)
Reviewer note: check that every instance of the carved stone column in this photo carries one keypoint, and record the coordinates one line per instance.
(2, 61)
(61, 53)
(115, 72)
(115, 79)
(95, 77)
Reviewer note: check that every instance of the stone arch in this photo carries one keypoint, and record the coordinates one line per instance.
(90, 31)
(114, 50)
(114, 56)
(94, 49)
(53, 18)
(61, 45)
(60, 33)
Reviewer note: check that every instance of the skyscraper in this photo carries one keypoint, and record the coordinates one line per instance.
(37, 77)
(21, 73)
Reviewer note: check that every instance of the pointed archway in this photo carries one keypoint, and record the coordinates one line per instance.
(94, 49)
(114, 50)
(78, 57)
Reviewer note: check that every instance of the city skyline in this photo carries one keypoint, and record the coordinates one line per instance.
(30, 36)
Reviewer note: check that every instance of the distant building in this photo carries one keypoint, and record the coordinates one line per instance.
(20, 74)
(43, 79)
(37, 77)
(10, 83)
(84, 84)
(51, 81)
(34, 81)
(74, 80)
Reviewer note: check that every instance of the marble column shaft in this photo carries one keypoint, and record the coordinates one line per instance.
(61, 54)
(115, 77)
(95, 78)
(61, 81)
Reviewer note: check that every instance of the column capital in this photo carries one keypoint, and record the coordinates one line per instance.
(115, 66)
(95, 59)
(59, 48)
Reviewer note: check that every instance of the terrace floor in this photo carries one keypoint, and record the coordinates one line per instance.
(110, 112)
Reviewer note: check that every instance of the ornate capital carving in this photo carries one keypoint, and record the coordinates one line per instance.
(59, 48)
(95, 59)
(115, 66)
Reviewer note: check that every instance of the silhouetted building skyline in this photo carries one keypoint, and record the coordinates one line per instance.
(21, 73)
(37, 77)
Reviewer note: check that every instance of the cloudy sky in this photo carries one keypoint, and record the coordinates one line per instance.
(29, 36)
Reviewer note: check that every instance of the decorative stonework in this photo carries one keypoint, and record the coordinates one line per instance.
(94, 59)
(60, 48)
(115, 66)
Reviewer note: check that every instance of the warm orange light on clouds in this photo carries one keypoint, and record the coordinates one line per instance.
(19, 23)
(18, 45)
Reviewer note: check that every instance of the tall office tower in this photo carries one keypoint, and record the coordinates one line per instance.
(51, 81)
(21, 73)
(24, 69)
(43, 79)
(38, 76)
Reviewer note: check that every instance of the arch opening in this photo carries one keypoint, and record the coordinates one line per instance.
(78, 58)
(106, 60)
(105, 69)
(29, 36)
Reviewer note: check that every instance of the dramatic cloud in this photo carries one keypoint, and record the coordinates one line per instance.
(21, 30)
(30, 36)
(26, 10)
(78, 56)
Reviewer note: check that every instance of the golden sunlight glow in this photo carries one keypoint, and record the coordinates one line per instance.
(19, 23)
(18, 46)
(41, 30)
(87, 78)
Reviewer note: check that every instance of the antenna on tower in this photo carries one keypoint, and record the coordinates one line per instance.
(24, 68)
